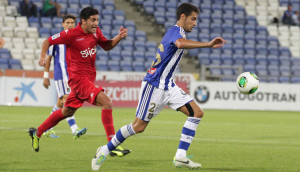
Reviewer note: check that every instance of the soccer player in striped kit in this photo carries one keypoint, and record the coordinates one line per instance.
(159, 89)
(61, 79)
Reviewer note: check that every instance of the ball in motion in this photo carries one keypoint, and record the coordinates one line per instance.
(247, 83)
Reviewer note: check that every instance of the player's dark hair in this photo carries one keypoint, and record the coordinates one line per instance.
(186, 9)
(87, 12)
(68, 16)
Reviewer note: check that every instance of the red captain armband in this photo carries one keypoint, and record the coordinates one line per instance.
(151, 70)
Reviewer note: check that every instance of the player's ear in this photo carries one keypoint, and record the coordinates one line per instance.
(182, 16)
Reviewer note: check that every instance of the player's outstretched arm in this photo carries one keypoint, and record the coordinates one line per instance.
(183, 43)
(113, 42)
(45, 47)
(46, 82)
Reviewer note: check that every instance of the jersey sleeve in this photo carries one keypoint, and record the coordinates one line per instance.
(178, 33)
(64, 37)
(51, 50)
(102, 40)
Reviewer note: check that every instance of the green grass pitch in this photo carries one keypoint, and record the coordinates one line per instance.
(226, 140)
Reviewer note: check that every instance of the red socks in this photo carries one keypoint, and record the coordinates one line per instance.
(107, 120)
(51, 121)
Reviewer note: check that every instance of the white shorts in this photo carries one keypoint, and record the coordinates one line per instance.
(62, 87)
(152, 100)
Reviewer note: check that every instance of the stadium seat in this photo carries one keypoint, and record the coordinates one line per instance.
(34, 22)
(130, 25)
(22, 21)
(109, 5)
(18, 43)
(119, 15)
(29, 54)
(140, 35)
(117, 24)
(5, 54)
(139, 56)
(284, 79)
(84, 3)
(15, 64)
(273, 60)
(4, 64)
(227, 59)
(7, 32)
(46, 22)
(149, 7)
(101, 65)
(73, 10)
(204, 59)
(273, 70)
(127, 55)
(140, 46)
(113, 65)
(249, 68)
(138, 66)
(20, 32)
(238, 59)
(73, 4)
(30, 43)
(57, 21)
(115, 55)
(126, 66)
(151, 46)
(44, 32)
(261, 59)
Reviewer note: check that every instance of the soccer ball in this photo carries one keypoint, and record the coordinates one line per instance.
(247, 83)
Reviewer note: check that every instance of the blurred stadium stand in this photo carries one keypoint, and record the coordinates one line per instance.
(254, 43)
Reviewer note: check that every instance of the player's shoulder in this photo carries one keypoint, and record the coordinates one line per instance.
(176, 30)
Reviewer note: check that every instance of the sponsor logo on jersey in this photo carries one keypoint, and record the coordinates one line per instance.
(55, 36)
(79, 39)
(88, 52)
(152, 70)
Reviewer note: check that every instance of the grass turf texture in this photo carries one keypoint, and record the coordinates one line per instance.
(225, 141)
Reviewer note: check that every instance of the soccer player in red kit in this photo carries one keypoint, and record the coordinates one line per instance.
(81, 43)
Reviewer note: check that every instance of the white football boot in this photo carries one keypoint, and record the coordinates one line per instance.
(98, 159)
(185, 162)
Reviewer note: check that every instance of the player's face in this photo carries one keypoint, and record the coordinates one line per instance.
(68, 24)
(92, 23)
(190, 22)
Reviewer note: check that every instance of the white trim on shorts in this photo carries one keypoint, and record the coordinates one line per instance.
(152, 100)
(62, 88)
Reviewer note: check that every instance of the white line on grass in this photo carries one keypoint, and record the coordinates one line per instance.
(176, 138)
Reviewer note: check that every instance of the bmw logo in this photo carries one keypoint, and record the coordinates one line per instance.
(201, 94)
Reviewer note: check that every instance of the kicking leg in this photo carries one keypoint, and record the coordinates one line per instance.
(124, 132)
(50, 122)
(195, 114)
(51, 133)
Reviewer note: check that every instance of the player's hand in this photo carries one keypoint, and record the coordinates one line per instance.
(123, 32)
(2, 42)
(46, 83)
(217, 42)
(42, 61)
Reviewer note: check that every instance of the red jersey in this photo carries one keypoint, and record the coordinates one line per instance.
(81, 51)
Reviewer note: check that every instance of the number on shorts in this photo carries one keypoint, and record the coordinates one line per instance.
(152, 108)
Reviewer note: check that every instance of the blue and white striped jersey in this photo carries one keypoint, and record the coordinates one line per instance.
(60, 64)
(161, 73)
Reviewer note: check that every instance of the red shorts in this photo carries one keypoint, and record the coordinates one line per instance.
(82, 90)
